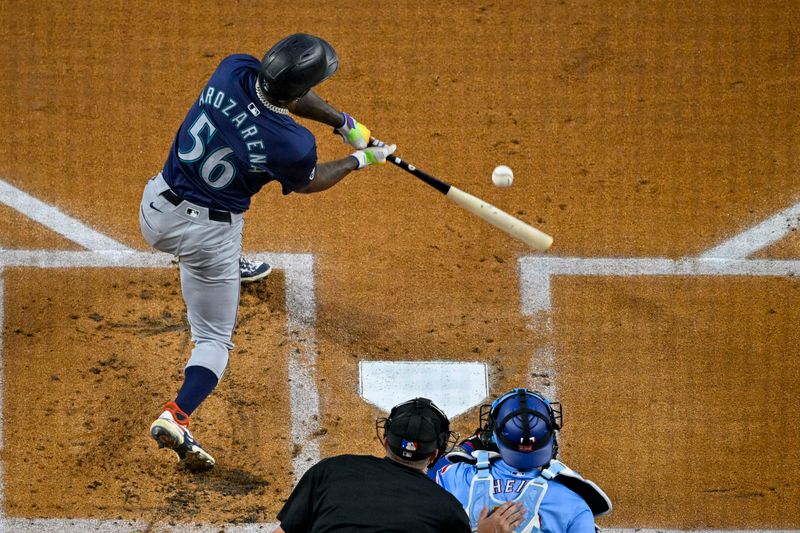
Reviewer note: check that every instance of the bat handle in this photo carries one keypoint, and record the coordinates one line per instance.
(436, 183)
(391, 158)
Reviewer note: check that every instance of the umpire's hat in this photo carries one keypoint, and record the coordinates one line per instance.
(415, 429)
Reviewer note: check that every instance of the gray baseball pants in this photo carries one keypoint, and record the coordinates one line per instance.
(208, 256)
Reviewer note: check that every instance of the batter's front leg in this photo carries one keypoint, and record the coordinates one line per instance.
(210, 286)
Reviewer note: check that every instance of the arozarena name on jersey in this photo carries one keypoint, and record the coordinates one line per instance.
(211, 97)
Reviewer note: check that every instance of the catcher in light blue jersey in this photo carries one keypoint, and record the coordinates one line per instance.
(512, 457)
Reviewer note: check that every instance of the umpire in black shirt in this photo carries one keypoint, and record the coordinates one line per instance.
(362, 493)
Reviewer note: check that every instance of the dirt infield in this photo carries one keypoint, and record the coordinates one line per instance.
(635, 130)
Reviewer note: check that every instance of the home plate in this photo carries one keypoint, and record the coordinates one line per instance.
(453, 386)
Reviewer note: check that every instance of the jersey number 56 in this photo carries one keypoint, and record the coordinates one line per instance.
(215, 170)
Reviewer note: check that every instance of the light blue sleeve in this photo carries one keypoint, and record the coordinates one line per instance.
(564, 510)
(582, 523)
(456, 479)
(441, 463)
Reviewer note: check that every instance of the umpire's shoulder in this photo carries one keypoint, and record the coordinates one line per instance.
(351, 458)
(345, 461)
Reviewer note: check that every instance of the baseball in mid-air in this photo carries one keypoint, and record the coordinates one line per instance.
(502, 176)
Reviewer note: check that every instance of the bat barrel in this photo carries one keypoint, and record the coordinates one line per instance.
(501, 220)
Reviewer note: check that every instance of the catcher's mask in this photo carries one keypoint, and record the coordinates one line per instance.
(295, 64)
(523, 425)
(415, 429)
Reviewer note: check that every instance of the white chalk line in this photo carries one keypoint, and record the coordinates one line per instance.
(53, 219)
(725, 259)
(301, 316)
(303, 392)
(536, 272)
(759, 236)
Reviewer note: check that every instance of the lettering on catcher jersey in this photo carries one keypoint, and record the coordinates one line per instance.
(508, 486)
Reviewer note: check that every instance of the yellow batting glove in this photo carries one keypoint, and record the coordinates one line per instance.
(374, 155)
(353, 132)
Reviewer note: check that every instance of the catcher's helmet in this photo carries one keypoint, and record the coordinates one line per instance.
(523, 425)
(415, 429)
(295, 64)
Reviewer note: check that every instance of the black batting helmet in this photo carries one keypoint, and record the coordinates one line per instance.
(295, 64)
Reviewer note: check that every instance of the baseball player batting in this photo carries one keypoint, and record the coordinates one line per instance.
(237, 137)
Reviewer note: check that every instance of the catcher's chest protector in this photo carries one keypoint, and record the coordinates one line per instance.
(597, 500)
(481, 495)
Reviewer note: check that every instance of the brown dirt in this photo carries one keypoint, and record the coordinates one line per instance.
(634, 129)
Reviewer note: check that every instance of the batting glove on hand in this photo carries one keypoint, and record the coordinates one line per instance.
(374, 155)
(353, 132)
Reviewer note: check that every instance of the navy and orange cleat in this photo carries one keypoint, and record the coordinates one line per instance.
(170, 430)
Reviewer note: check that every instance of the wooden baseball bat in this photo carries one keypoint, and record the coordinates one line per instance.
(491, 214)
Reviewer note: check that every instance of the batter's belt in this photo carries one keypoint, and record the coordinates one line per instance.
(213, 214)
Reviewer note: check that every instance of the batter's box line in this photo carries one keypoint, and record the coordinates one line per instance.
(726, 259)
(301, 362)
(536, 274)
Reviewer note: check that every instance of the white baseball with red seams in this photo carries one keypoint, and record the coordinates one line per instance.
(502, 176)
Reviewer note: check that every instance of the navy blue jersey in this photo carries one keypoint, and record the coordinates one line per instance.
(230, 145)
